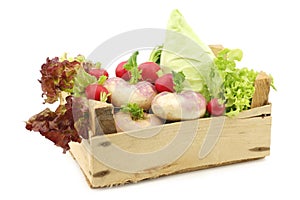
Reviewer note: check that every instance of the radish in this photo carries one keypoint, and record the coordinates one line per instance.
(98, 72)
(215, 108)
(182, 105)
(121, 72)
(165, 83)
(132, 117)
(148, 71)
(96, 92)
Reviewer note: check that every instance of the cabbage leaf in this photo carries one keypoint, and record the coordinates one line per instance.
(184, 51)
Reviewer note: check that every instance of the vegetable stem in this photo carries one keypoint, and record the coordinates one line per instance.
(155, 54)
(132, 67)
(104, 96)
(134, 110)
(178, 79)
(102, 79)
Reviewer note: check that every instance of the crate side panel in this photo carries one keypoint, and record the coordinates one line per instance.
(241, 139)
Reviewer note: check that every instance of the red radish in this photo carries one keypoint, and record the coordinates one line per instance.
(165, 83)
(98, 72)
(121, 72)
(215, 108)
(96, 92)
(149, 70)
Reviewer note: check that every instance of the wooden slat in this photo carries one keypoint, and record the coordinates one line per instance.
(241, 139)
(262, 89)
(216, 48)
(254, 112)
(101, 118)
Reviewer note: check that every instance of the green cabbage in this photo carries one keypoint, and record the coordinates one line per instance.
(184, 51)
(212, 76)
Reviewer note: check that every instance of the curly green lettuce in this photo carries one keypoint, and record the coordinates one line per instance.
(238, 82)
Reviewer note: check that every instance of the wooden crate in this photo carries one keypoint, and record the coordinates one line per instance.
(129, 157)
(243, 138)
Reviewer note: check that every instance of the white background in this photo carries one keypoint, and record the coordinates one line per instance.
(33, 168)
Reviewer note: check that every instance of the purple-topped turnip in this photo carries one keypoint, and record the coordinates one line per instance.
(182, 105)
(132, 117)
(123, 92)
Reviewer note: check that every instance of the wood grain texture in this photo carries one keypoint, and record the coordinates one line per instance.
(262, 89)
(101, 118)
(216, 48)
(243, 138)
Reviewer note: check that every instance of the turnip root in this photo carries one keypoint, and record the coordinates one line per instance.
(123, 93)
(124, 121)
(186, 105)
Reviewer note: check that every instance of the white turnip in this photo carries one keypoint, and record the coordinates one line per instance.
(186, 105)
(123, 92)
(132, 117)
(124, 121)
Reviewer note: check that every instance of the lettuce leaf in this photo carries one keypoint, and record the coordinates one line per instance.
(70, 121)
(81, 81)
(184, 51)
(57, 76)
(56, 126)
(60, 74)
(238, 82)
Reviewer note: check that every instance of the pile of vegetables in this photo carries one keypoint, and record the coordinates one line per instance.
(182, 80)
